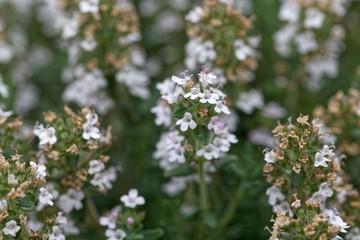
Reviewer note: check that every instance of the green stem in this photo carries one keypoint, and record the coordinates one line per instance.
(204, 201)
(229, 211)
(24, 233)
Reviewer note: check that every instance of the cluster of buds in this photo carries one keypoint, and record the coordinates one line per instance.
(312, 36)
(101, 39)
(72, 147)
(22, 188)
(199, 131)
(125, 220)
(303, 172)
(219, 38)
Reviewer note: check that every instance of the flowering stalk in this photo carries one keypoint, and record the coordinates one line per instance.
(303, 172)
(101, 39)
(197, 106)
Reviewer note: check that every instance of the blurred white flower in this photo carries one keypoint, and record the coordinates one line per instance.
(11, 228)
(314, 18)
(132, 199)
(71, 200)
(45, 135)
(45, 197)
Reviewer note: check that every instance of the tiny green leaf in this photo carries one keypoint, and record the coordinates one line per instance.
(25, 204)
(179, 112)
(181, 170)
(152, 234)
(201, 134)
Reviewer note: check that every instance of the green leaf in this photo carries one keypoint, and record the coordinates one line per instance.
(179, 112)
(181, 170)
(201, 134)
(210, 219)
(152, 234)
(298, 179)
(226, 160)
(25, 204)
(135, 236)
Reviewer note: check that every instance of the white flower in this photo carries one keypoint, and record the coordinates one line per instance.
(195, 15)
(274, 194)
(221, 144)
(194, 93)
(90, 131)
(56, 234)
(221, 107)
(270, 156)
(177, 154)
(242, 51)
(296, 204)
(135, 79)
(6, 52)
(325, 155)
(335, 219)
(313, 18)
(45, 197)
(162, 113)
(11, 228)
(111, 219)
(289, 11)
(3, 204)
(60, 219)
(283, 38)
(46, 135)
(5, 114)
(207, 78)
(325, 189)
(274, 111)
(88, 44)
(104, 179)
(71, 200)
(95, 166)
(216, 124)
(4, 91)
(186, 122)
(284, 206)
(209, 97)
(40, 169)
(250, 100)
(12, 180)
(132, 199)
(116, 234)
(180, 81)
(209, 152)
(89, 6)
(306, 42)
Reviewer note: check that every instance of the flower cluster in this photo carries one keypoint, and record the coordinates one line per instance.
(71, 146)
(303, 171)
(101, 40)
(125, 221)
(22, 188)
(312, 36)
(220, 39)
(201, 132)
